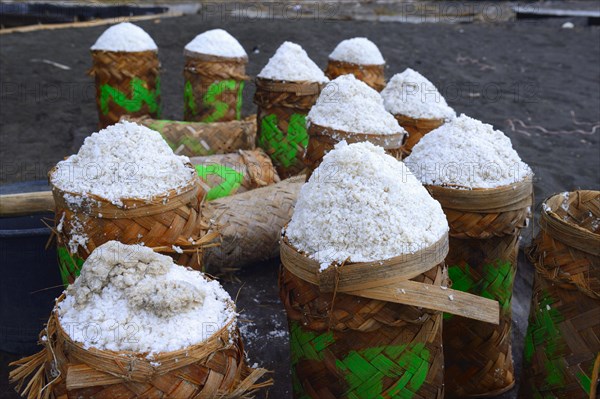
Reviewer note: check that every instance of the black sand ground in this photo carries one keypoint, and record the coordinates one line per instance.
(527, 79)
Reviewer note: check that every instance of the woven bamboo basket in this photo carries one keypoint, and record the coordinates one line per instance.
(127, 83)
(373, 75)
(213, 87)
(416, 128)
(562, 346)
(282, 110)
(323, 139)
(367, 330)
(200, 139)
(484, 234)
(160, 223)
(65, 369)
(226, 174)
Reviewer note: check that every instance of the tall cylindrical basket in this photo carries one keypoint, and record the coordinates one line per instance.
(373, 75)
(416, 128)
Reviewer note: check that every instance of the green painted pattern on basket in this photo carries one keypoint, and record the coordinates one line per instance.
(283, 148)
(364, 370)
(496, 284)
(210, 99)
(140, 95)
(585, 380)
(232, 180)
(187, 141)
(543, 331)
(69, 265)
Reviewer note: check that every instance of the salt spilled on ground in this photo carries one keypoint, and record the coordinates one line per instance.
(411, 94)
(370, 208)
(358, 50)
(129, 298)
(467, 153)
(217, 42)
(125, 160)
(125, 37)
(349, 104)
(291, 63)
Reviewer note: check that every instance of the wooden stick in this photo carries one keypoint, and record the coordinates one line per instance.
(26, 203)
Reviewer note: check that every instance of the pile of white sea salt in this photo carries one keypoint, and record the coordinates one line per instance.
(125, 37)
(349, 104)
(125, 160)
(363, 205)
(411, 94)
(217, 42)
(129, 298)
(358, 50)
(291, 63)
(467, 153)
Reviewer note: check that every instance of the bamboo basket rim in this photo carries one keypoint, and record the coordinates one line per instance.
(387, 141)
(567, 231)
(214, 58)
(299, 87)
(389, 280)
(123, 52)
(403, 118)
(509, 197)
(343, 63)
(93, 204)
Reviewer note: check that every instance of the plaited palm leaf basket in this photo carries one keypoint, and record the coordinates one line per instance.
(226, 174)
(127, 83)
(281, 121)
(83, 223)
(416, 128)
(213, 87)
(200, 139)
(322, 140)
(373, 75)
(562, 346)
(484, 241)
(371, 330)
(65, 369)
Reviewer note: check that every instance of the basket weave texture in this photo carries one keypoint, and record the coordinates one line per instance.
(127, 83)
(213, 87)
(416, 128)
(373, 75)
(484, 234)
(562, 346)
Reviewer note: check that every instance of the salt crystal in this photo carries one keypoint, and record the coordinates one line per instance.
(358, 50)
(125, 37)
(177, 249)
(291, 63)
(451, 297)
(217, 42)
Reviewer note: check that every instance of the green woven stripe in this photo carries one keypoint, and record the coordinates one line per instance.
(283, 147)
(140, 95)
(69, 265)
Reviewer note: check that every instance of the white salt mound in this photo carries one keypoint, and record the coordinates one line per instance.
(292, 64)
(370, 208)
(411, 94)
(125, 160)
(125, 37)
(349, 104)
(467, 153)
(129, 298)
(358, 50)
(217, 42)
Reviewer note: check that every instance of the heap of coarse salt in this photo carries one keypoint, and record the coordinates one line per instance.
(123, 161)
(217, 42)
(411, 94)
(129, 298)
(370, 209)
(358, 50)
(125, 37)
(349, 104)
(291, 64)
(466, 153)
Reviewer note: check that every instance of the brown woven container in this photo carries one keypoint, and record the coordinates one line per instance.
(227, 174)
(160, 223)
(65, 369)
(484, 231)
(213, 87)
(367, 330)
(562, 346)
(282, 110)
(127, 83)
(373, 75)
(200, 139)
(416, 128)
(323, 139)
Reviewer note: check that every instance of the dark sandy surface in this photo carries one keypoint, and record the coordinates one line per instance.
(527, 79)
